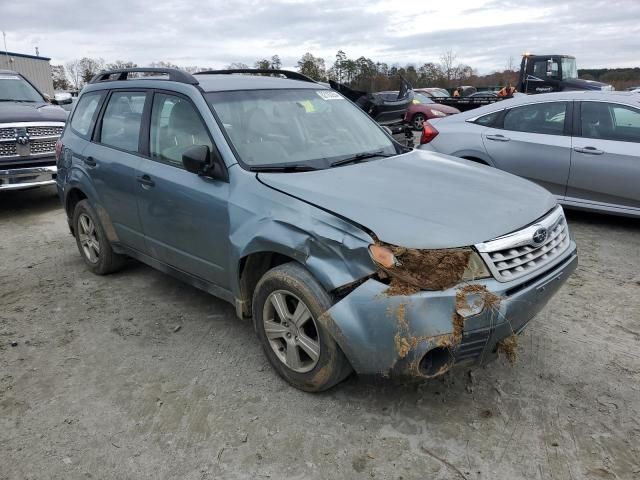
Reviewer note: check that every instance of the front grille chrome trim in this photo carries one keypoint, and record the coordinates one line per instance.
(515, 255)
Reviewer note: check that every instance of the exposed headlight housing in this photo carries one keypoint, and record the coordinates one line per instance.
(437, 113)
(429, 269)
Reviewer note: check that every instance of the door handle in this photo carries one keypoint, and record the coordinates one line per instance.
(498, 138)
(145, 181)
(90, 161)
(588, 150)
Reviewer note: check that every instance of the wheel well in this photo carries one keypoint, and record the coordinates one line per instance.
(73, 197)
(477, 160)
(252, 268)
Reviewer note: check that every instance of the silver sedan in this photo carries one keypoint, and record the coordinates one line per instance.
(584, 147)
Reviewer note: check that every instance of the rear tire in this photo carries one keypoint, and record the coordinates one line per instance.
(92, 242)
(417, 122)
(287, 304)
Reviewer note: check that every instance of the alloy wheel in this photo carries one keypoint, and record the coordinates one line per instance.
(88, 238)
(418, 121)
(291, 331)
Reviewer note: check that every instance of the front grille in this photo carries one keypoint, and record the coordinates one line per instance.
(517, 254)
(41, 139)
(8, 150)
(7, 133)
(50, 131)
(43, 146)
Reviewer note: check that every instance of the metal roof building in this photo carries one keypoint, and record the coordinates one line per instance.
(36, 69)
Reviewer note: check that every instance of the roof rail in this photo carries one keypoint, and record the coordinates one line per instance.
(260, 71)
(175, 75)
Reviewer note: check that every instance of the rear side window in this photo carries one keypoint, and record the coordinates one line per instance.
(85, 112)
(175, 127)
(547, 118)
(488, 119)
(121, 120)
(608, 121)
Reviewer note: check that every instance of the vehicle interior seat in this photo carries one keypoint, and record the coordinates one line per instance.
(596, 121)
(184, 130)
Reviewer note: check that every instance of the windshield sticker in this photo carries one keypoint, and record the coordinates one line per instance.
(9, 77)
(329, 95)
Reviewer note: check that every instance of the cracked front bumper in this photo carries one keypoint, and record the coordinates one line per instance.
(390, 335)
(21, 178)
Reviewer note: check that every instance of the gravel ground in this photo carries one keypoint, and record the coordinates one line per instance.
(103, 384)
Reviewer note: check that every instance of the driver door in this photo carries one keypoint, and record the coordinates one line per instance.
(184, 216)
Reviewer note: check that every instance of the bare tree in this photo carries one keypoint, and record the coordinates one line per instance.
(120, 64)
(73, 70)
(448, 65)
(276, 63)
(237, 66)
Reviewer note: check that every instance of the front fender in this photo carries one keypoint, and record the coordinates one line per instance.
(468, 154)
(332, 249)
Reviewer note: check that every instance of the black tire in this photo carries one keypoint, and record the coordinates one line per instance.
(332, 366)
(417, 122)
(106, 261)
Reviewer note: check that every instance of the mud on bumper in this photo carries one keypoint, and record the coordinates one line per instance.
(416, 335)
(21, 178)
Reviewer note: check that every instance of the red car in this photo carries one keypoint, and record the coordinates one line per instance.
(423, 108)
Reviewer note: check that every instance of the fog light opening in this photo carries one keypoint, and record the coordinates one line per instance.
(436, 362)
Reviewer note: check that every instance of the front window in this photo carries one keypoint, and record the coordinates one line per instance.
(14, 88)
(175, 127)
(609, 121)
(301, 127)
(569, 69)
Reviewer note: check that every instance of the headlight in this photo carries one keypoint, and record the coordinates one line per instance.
(437, 113)
(429, 269)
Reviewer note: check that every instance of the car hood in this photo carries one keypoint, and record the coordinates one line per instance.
(421, 199)
(31, 112)
(579, 84)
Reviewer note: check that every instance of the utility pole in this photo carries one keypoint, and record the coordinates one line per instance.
(6, 52)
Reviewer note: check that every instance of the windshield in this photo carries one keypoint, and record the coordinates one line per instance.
(569, 69)
(16, 88)
(302, 127)
(421, 98)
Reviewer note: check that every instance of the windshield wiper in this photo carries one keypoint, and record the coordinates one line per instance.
(282, 168)
(360, 157)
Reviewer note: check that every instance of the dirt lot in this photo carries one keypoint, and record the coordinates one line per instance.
(102, 383)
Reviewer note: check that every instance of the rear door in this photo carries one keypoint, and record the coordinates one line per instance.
(605, 160)
(533, 141)
(184, 216)
(112, 159)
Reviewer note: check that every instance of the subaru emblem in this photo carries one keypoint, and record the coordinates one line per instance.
(540, 236)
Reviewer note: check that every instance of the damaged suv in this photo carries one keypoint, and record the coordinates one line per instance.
(348, 251)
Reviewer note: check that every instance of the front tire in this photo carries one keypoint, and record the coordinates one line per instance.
(92, 242)
(287, 304)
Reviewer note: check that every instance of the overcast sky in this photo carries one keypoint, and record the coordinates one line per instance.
(213, 33)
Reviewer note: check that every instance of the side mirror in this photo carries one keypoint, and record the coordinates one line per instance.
(198, 159)
(63, 98)
(550, 68)
(47, 98)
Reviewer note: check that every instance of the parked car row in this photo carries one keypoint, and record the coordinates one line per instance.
(347, 250)
(581, 146)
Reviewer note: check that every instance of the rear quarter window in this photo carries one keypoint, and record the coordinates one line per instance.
(488, 120)
(85, 113)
